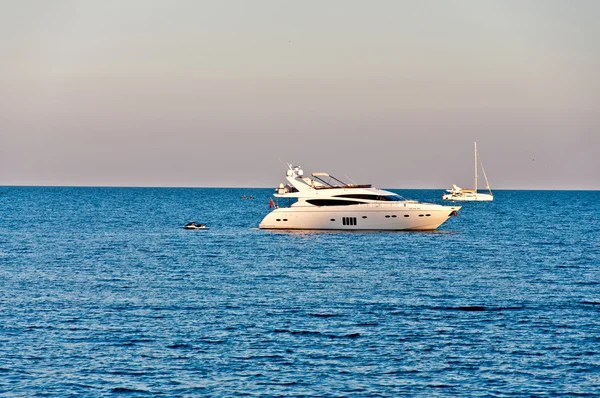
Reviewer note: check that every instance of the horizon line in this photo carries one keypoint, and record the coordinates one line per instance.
(242, 187)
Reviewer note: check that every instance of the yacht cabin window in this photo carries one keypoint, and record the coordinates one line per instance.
(380, 198)
(332, 202)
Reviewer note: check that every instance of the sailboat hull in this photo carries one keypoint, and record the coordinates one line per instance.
(468, 197)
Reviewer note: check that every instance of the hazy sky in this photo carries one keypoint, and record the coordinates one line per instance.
(212, 93)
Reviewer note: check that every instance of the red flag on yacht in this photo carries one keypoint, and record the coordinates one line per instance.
(270, 203)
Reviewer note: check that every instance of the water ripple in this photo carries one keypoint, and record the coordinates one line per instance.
(503, 301)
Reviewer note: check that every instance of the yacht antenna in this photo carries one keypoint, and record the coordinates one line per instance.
(351, 180)
(287, 165)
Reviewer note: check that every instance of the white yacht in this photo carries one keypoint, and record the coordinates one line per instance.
(457, 194)
(324, 202)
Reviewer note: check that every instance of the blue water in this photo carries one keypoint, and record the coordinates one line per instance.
(103, 293)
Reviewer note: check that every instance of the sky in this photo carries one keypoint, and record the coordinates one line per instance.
(219, 93)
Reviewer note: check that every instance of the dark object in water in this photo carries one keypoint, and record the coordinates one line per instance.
(193, 225)
(472, 308)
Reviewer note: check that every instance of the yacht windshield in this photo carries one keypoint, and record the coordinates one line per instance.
(380, 198)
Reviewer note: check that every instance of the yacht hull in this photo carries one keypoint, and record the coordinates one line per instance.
(360, 217)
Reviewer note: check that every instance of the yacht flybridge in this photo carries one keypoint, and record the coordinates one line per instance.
(326, 203)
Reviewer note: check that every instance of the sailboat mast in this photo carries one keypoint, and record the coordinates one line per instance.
(475, 175)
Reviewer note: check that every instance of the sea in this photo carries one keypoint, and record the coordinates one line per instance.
(103, 293)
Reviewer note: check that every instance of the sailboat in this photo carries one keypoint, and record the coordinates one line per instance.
(470, 195)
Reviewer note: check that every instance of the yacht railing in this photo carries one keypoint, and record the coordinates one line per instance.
(334, 182)
(343, 186)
